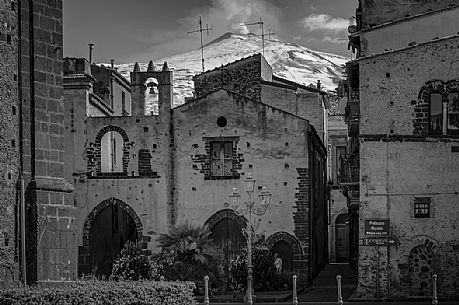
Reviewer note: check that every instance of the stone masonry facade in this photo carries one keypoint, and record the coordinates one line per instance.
(404, 165)
(9, 142)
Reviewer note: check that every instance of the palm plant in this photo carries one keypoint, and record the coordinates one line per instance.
(188, 254)
(188, 243)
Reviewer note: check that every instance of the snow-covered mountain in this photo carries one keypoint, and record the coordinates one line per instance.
(288, 60)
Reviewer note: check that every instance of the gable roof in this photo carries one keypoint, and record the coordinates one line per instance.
(242, 96)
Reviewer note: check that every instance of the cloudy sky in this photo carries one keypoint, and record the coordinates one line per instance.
(139, 30)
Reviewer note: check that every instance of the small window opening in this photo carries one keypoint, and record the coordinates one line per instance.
(14, 110)
(422, 208)
(8, 38)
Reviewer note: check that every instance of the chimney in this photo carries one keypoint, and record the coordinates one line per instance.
(112, 63)
(318, 85)
(91, 47)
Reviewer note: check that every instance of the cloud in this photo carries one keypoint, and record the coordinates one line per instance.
(326, 23)
(227, 16)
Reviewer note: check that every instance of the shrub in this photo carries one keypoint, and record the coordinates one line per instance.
(106, 293)
(133, 265)
(264, 271)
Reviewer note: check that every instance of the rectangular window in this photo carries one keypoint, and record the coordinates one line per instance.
(222, 158)
(422, 207)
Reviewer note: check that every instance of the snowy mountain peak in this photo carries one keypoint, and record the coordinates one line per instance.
(288, 60)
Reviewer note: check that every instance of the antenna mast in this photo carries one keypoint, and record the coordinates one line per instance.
(262, 32)
(200, 31)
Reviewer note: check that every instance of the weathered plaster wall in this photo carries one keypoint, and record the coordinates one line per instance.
(302, 103)
(264, 134)
(9, 140)
(392, 176)
(390, 85)
(271, 144)
(380, 11)
(415, 30)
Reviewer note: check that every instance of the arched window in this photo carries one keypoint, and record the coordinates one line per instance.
(436, 113)
(112, 152)
(442, 101)
(151, 97)
(453, 112)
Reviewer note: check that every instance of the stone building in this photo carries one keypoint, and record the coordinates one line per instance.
(180, 165)
(403, 118)
(37, 212)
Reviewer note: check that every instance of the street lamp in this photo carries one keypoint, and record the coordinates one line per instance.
(250, 208)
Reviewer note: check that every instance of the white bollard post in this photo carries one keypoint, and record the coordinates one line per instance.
(434, 290)
(340, 297)
(295, 298)
(206, 290)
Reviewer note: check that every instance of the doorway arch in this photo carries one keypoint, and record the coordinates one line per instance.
(107, 228)
(226, 232)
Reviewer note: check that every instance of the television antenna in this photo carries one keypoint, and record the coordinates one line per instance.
(260, 23)
(201, 30)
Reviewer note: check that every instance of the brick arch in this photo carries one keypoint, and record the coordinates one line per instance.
(421, 108)
(288, 238)
(85, 255)
(103, 205)
(223, 214)
(94, 164)
(418, 240)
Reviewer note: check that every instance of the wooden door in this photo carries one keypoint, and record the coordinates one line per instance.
(342, 238)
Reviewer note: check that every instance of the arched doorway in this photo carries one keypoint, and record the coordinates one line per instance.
(421, 271)
(226, 228)
(342, 238)
(107, 228)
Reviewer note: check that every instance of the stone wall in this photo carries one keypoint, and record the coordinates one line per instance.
(390, 86)
(9, 142)
(400, 164)
(389, 191)
(379, 11)
(143, 189)
(242, 76)
(271, 144)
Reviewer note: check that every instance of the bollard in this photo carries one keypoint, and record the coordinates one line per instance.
(249, 290)
(340, 297)
(161, 278)
(434, 290)
(206, 290)
(295, 298)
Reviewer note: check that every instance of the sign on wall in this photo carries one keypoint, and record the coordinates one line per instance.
(377, 227)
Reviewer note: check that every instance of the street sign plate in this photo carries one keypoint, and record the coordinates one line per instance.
(377, 227)
(375, 241)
